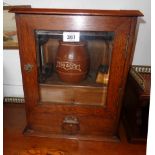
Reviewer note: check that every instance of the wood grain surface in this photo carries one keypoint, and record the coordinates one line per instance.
(129, 13)
(15, 142)
(93, 120)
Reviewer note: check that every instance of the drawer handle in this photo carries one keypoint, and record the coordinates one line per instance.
(70, 125)
(28, 67)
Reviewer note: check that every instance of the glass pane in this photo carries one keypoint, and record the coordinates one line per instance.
(75, 71)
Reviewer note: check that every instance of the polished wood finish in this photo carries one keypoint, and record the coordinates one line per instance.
(129, 13)
(95, 122)
(15, 142)
(71, 94)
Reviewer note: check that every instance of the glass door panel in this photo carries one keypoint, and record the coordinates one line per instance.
(73, 67)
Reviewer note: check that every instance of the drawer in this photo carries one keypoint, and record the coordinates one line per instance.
(71, 124)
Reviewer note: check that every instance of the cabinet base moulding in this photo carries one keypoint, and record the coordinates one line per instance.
(30, 132)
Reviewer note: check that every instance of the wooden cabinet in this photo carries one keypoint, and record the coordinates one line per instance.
(136, 103)
(90, 108)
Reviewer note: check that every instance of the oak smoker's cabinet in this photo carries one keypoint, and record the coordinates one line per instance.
(74, 67)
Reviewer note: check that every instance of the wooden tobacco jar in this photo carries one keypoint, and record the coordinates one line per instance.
(72, 61)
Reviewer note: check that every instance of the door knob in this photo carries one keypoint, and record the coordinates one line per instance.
(28, 67)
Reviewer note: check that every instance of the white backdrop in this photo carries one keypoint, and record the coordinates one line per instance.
(12, 73)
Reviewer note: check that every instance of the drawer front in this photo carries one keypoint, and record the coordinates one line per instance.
(71, 124)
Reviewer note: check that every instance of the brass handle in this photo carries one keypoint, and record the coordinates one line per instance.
(28, 67)
(70, 125)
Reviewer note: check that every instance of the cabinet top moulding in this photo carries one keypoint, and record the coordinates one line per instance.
(129, 13)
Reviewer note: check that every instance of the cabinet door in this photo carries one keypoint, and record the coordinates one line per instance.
(105, 40)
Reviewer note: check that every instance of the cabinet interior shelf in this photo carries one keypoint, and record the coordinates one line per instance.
(88, 82)
(53, 90)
